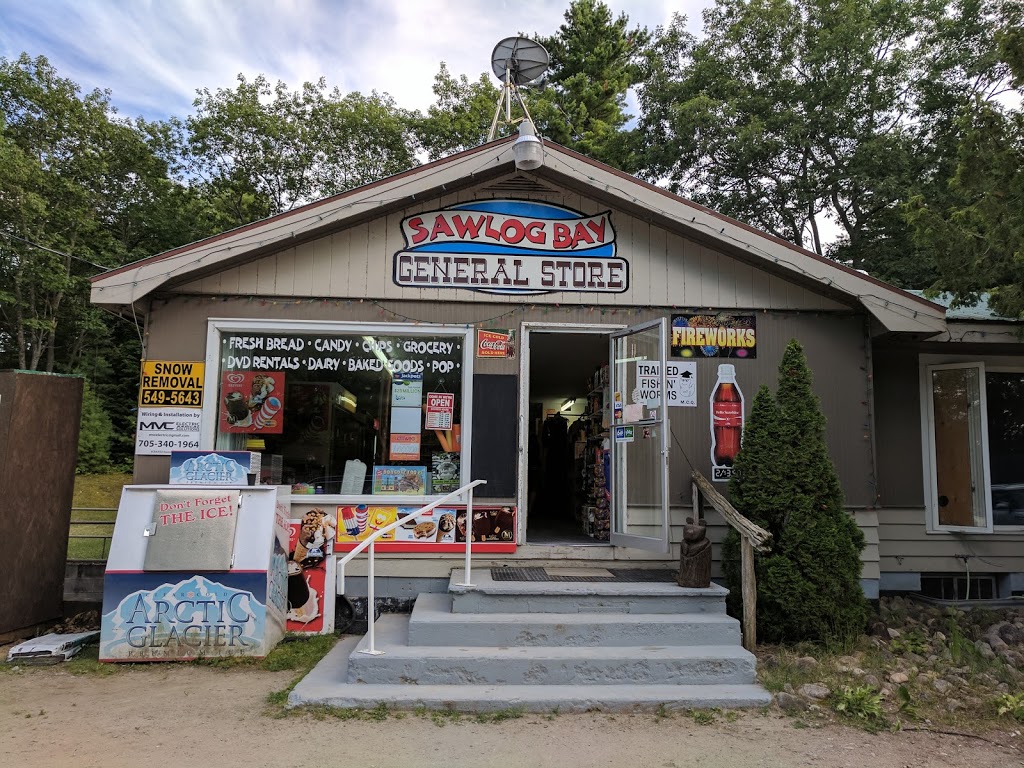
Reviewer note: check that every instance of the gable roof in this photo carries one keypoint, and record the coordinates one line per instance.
(896, 310)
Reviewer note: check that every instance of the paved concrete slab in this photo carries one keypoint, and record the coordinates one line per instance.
(324, 686)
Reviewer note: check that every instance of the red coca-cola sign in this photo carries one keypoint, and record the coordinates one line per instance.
(495, 343)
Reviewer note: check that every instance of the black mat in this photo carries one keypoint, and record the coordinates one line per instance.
(618, 575)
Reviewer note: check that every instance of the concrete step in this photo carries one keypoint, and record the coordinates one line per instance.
(543, 665)
(489, 596)
(434, 624)
(327, 685)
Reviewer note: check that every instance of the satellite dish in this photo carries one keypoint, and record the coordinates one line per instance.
(520, 59)
(517, 61)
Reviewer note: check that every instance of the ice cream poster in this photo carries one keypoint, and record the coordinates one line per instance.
(252, 401)
(356, 522)
(307, 574)
(435, 526)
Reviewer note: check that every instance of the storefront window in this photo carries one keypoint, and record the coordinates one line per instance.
(352, 413)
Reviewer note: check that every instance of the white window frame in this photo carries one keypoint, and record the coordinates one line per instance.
(985, 365)
(217, 325)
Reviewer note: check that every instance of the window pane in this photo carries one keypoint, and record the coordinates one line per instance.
(324, 402)
(959, 471)
(1005, 395)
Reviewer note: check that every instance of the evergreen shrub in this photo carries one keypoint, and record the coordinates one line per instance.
(808, 585)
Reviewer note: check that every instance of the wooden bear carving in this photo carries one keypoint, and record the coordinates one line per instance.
(694, 555)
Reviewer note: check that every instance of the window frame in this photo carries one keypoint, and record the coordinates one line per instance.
(985, 365)
(218, 325)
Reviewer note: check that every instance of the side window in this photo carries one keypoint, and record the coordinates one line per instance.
(1004, 392)
(957, 427)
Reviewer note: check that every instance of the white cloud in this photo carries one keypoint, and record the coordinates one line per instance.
(154, 54)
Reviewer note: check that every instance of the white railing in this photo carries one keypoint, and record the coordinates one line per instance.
(369, 541)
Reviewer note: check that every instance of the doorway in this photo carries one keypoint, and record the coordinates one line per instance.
(567, 482)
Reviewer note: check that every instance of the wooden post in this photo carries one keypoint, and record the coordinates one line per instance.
(749, 594)
(698, 513)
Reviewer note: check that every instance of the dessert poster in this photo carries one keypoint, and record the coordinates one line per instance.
(252, 401)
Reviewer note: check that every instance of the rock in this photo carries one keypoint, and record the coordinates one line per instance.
(814, 691)
(857, 672)
(956, 680)
(1011, 633)
(986, 679)
(985, 650)
(878, 629)
(953, 705)
(770, 661)
(787, 702)
(788, 688)
(893, 633)
(871, 680)
(939, 637)
(848, 661)
(941, 686)
(1003, 688)
(913, 657)
(898, 678)
(806, 663)
(886, 691)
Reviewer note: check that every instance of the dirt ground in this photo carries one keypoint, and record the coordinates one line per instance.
(188, 715)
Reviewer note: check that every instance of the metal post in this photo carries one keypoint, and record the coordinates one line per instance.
(466, 580)
(370, 607)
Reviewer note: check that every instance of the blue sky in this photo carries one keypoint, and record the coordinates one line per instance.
(154, 54)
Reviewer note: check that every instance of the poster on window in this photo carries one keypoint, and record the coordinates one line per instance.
(444, 472)
(440, 410)
(726, 423)
(406, 481)
(720, 334)
(252, 402)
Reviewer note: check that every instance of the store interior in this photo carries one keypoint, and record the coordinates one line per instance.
(567, 493)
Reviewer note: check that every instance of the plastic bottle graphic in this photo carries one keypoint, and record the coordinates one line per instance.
(726, 419)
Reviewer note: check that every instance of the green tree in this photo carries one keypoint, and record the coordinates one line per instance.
(461, 116)
(967, 212)
(790, 112)
(94, 436)
(595, 60)
(262, 149)
(808, 586)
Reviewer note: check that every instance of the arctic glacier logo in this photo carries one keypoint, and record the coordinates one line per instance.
(211, 468)
(191, 618)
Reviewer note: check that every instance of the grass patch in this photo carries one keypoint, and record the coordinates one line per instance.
(501, 715)
(99, 495)
(99, 490)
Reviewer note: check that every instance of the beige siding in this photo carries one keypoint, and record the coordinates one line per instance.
(906, 547)
(665, 269)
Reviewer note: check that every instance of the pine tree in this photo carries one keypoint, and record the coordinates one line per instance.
(808, 586)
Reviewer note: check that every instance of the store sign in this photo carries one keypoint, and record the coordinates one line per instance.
(162, 430)
(510, 247)
(168, 383)
(495, 343)
(716, 335)
(440, 410)
(680, 377)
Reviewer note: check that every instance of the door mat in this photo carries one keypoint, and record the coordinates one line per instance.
(646, 575)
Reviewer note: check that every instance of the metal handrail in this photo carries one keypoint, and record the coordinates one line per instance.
(369, 541)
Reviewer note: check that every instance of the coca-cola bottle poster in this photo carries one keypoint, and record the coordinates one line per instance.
(726, 423)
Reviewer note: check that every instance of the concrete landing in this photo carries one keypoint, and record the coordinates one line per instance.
(433, 623)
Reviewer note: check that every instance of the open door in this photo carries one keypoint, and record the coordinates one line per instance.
(639, 476)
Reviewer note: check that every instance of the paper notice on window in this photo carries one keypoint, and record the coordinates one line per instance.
(440, 410)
